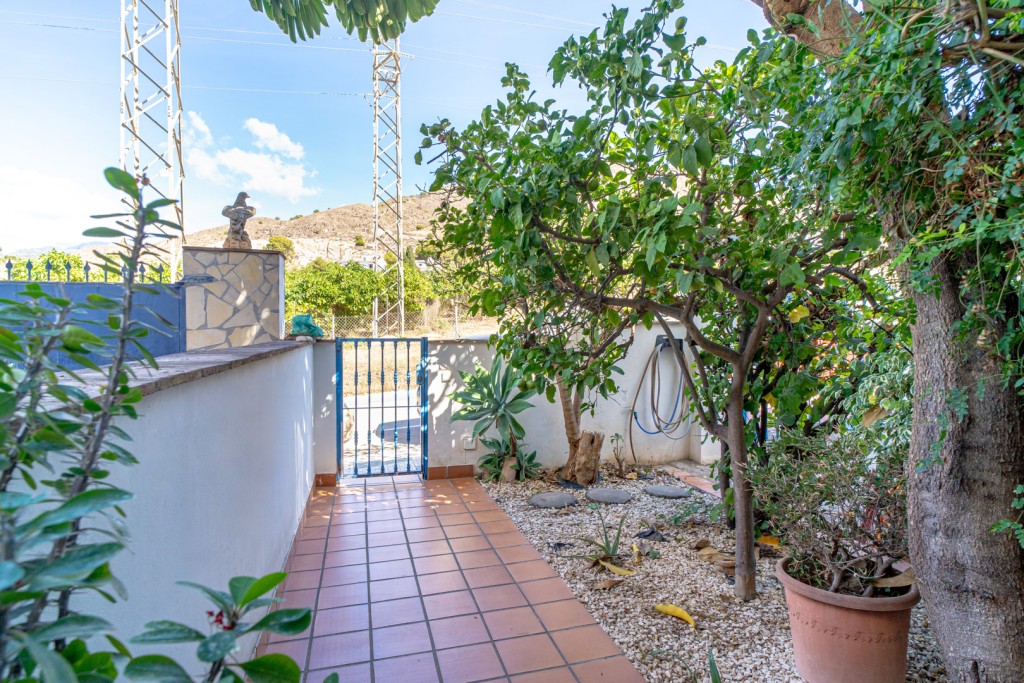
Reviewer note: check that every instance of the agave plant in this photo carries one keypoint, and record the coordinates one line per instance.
(493, 398)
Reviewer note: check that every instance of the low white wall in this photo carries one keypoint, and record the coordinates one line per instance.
(225, 469)
(545, 431)
(325, 427)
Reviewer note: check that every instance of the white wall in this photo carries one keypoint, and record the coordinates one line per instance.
(325, 428)
(225, 469)
(545, 432)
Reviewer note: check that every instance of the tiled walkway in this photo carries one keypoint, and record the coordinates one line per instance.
(431, 582)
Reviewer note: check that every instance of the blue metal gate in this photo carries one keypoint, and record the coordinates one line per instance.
(382, 406)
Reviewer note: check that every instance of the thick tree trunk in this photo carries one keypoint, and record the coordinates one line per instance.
(961, 482)
(583, 463)
(582, 468)
(743, 500)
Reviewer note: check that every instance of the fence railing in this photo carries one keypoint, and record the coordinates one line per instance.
(49, 272)
(428, 322)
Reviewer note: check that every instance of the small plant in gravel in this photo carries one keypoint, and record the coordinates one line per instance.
(713, 674)
(499, 450)
(605, 548)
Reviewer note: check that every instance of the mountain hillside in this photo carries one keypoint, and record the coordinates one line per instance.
(332, 233)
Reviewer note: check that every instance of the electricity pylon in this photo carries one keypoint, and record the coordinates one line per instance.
(151, 101)
(389, 308)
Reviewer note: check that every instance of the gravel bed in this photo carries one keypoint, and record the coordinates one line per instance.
(751, 640)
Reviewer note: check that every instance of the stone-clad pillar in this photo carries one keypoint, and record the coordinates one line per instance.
(242, 305)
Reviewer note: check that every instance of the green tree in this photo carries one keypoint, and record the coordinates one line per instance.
(324, 286)
(282, 244)
(58, 260)
(669, 198)
(377, 20)
(917, 114)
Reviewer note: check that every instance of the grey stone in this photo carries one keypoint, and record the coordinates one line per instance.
(554, 499)
(609, 496)
(662, 491)
(196, 279)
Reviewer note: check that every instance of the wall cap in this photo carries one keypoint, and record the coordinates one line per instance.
(244, 251)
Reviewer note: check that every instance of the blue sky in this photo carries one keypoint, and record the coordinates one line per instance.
(291, 151)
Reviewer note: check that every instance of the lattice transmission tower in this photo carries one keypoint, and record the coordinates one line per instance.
(388, 309)
(151, 101)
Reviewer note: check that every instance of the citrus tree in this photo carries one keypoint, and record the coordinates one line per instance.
(377, 20)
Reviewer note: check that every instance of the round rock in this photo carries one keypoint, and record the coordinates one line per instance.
(662, 491)
(609, 496)
(555, 499)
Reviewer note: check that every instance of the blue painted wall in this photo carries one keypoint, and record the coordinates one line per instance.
(166, 301)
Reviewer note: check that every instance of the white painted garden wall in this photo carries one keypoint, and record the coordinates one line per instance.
(224, 474)
(545, 432)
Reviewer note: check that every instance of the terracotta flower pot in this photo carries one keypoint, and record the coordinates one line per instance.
(847, 638)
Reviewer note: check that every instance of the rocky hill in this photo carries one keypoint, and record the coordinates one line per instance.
(331, 234)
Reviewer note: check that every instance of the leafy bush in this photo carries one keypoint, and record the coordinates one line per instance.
(838, 504)
(492, 399)
(282, 244)
(498, 451)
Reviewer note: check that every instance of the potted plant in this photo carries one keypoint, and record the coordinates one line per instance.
(838, 504)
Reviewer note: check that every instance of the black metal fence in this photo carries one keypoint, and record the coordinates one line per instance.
(48, 272)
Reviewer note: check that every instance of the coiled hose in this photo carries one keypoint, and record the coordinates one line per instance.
(661, 426)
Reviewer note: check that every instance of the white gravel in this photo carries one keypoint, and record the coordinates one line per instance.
(750, 640)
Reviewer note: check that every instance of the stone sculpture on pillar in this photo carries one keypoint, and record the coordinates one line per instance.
(237, 214)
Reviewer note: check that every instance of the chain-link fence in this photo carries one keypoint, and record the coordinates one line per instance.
(435, 320)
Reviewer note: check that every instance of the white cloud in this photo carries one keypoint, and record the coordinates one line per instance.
(267, 136)
(273, 168)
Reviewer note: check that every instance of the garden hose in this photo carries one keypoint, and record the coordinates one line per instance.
(661, 426)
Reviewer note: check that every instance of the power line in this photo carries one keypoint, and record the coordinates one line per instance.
(194, 87)
(516, 10)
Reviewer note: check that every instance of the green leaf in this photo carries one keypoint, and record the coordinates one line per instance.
(716, 676)
(52, 667)
(104, 232)
(219, 598)
(690, 160)
(216, 647)
(156, 668)
(675, 42)
(238, 585)
(261, 586)
(74, 566)
(703, 150)
(83, 504)
(122, 180)
(792, 275)
(168, 632)
(284, 621)
(74, 626)
(275, 668)
(10, 574)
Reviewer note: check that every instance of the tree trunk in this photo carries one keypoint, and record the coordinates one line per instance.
(582, 468)
(961, 481)
(743, 499)
(724, 483)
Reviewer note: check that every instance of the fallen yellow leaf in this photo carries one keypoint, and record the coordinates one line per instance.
(907, 578)
(769, 540)
(631, 475)
(607, 584)
(618, 571)
(677, 612)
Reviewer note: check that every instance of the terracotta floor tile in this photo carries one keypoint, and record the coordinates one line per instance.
(455, 520)
(584, 643)
(429, 534)
(563, 614)
(418, 510)
(445, 582)
(546, 590)
(394, 612)
(372, 506)
(337, 576)
(487, 576)
(386, 538)
(469, 663)
(342, 596)
(450, 508)
(421, 522)
(477, 558)
(449, 604)
(469, 543)
(528, 654)
(489, 515)
(429, 548)
(373, 528)
(339, 649)
(393, 589)
(419, 668)
(335, 544)
(388, 514)
(296, 649)
(388, 553)
(353, 673)
(341, 620)
(342, 518)
(530, 571)
(518, 553)
(481, 505)
(317, 520)
(560, 675)
(435, 564)
(298, 563)
(406, 639)
(310, 533)
(455, 631)
(390, 570)
(298, 599)
(499, 597)
(338, 530)
(510, 623)
(342, 558)
(462, 531)
(507, 539)
(616, 670)
(498, 527)
(302, 580)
